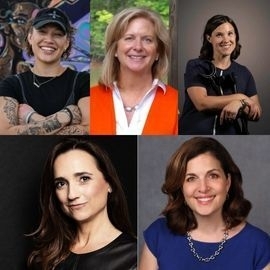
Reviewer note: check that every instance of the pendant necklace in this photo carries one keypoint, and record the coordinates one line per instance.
(39, 84)
(214, 255)
(131, 109)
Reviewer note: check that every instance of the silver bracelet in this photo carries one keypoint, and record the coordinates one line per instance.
(28, 117)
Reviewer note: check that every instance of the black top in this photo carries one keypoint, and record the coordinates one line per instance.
(120, 254)
(236, 79)
(50, 97)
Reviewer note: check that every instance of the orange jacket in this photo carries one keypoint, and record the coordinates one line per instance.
(162, 118)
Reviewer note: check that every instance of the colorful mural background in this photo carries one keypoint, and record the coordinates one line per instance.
(14, 16)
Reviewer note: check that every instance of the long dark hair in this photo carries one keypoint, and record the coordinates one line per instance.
(206, 51)
(180, 217)
(57, 231)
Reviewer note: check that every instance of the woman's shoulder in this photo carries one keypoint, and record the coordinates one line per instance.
(158, 227)
(253, 236)
(255, 232)
(236, 67)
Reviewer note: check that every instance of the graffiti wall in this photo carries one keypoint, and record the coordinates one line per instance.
(14, 16)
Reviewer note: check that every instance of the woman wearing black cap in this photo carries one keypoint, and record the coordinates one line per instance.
(48, 99)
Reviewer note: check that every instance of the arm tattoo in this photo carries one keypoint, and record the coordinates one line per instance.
(72, 130)
(10, 110)
(51, 125)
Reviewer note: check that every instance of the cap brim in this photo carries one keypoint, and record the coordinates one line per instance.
(43, 23)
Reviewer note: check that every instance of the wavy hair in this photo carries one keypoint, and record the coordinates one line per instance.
(115, 31)
(206, 51)
(180, 217)
(52, 245)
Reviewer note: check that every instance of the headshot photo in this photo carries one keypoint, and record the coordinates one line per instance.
(203, 200)
(54, 188)
(191, 24)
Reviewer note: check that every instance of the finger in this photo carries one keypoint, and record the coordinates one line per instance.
(221, 117)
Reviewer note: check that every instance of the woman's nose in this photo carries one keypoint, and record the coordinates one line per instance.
(73, 192)
(138, 44)
(203, 186)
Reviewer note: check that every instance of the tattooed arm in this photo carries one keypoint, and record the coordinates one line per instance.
(83, 127)
(9, 121)
(80, 118)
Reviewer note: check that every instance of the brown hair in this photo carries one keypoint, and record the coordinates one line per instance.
(180, 217)
(115, 31)
(53, 245)
(206, 51)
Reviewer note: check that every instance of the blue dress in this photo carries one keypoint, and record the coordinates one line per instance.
(248, 250)
(235, 79)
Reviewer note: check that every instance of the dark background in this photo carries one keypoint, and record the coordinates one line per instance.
(21, 165)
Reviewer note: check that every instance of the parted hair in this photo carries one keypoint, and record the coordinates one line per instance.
(206, 51)
(180, 217)
(57, 231)
(116, 30)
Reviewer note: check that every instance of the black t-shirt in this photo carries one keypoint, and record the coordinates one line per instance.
(120, 254)
(50, 97)
(236, 79)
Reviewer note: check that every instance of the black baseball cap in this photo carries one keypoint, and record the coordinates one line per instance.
(51, 15)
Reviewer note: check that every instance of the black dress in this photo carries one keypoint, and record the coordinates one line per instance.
(120, 254)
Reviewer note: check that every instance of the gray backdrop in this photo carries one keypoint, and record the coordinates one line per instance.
(250, 153)
(253, 22)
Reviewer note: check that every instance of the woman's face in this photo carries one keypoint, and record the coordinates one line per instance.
(48, 43)
(205, 186)
(80, 187)
(137, 48)
(223, 40)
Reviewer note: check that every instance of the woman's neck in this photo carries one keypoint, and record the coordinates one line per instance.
(134, 82)
(48, 70)
(210, 229)
(222, 62)
(94, 234)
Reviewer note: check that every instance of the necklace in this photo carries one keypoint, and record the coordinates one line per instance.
(39, 84)
(214, 255)
(131, 109)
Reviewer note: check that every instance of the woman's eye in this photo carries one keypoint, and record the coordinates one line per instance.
(84, 179)
(190, 179)
(59, 184)
(128, 38)
(213, 176)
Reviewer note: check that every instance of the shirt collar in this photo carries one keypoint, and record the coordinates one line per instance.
(155, 84)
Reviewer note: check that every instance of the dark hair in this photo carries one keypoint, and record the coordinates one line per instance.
(180, 217)
(206, 51)
(52, 243)
(70, 32)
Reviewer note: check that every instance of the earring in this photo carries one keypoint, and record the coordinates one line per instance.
(116, 55)
(109, 190)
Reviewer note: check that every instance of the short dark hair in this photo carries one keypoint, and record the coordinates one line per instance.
(206, 51)
(180, 217)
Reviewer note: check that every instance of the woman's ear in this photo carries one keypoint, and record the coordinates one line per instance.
(229, 181)
(208, 38)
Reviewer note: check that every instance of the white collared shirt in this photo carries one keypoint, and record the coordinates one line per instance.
(135, 127)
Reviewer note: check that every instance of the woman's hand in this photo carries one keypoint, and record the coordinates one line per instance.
(230, 111)
(254, 111)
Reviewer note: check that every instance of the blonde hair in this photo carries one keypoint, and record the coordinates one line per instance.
(116, 30)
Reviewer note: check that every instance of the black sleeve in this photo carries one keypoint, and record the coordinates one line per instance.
(82, 87)
(10, 87)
